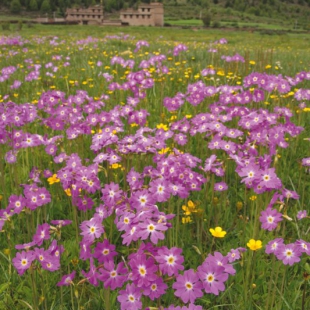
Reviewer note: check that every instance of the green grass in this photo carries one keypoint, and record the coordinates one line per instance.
(261, 282)
(184, 22)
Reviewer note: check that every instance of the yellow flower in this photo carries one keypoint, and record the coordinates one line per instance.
(190, 208)
(218, 232)
(7, 252)
(268, 67)
(68, 191)
(239, 205)
(53, 179)
(252, 62)
(164, 151)
(186, 220)
(253, 198)
(116, 165)
(162, 126)
(254, 244)
(186, 210)
(191, 204)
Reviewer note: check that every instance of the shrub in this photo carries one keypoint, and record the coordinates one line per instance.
(33, 5)
(15, 7)
(19, 25)
(5, 26)
(216, 24)
(207, 20)
(45, 7)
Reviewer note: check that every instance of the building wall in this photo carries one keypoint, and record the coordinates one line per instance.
(92, 15)
(147, 15)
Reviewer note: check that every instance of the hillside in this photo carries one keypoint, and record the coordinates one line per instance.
(290, 13)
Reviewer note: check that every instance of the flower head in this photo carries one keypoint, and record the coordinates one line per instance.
(218, 232)
(254, 244)
(53, 179)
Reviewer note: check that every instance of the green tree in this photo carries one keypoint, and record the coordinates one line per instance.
(33, 5)
(206, 19)
(45, 7)
(15, 7)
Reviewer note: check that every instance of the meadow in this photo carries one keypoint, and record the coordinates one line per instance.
(148, 168)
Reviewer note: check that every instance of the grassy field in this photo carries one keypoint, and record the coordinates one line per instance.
(154, 168)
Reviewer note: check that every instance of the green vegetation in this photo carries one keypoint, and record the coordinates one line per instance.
(292, 14)
(71, 62)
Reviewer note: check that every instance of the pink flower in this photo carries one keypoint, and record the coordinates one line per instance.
(188, 286)
(170, 260)
(130, 298)
(67, 279)
(91, 229)
(213, 277)
(270, 219)
(289, 254)
(23, 261)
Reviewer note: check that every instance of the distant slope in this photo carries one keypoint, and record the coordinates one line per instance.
(293, 12)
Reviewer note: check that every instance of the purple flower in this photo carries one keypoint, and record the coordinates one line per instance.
(85, 251)
(221, 186)
(303, 246)
(188, 286)
(113, 277)
(141, 199)
(41, 234)
(234, 254)
(111, 193)
(91, 229)
(153, 229)
(92, 275)
(61, 222)
(134, 179)
(143, 270)
(269, 179)
(289, 254)
(130, 298)
(180, 139)
(302, 214)
(66, 280)
(213, 277)
(273, 245)
(270, 219)
(22, 261)
(52, 263)
(220, 260)
(189, 307)
(306, 162)
(104, 251)
(170, 260)
(156, 289)
(160, 190)
(10, 157)
(16, 203)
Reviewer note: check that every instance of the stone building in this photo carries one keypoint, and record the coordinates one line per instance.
(146, 15)
(86, 16)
